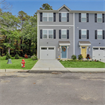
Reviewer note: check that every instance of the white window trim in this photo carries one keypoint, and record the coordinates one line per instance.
(65, 17)
(99, 18)
(47, 34)
(83, 17)
(48, 17)
(61, 33)
(81, 33)
(97, 33)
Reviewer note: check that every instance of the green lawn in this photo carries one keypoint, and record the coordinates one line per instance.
(82, 64)
(16, 64)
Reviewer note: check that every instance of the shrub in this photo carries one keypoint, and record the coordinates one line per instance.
(16, 56)
(12, 57)
(73, 57)
(25, 56)
(8, 56)
(80, 57)
(34, 57)
(3, 58)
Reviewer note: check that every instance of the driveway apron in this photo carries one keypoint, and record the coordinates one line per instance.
(48, 64)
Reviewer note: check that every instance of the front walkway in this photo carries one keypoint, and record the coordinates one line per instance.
(48, 64)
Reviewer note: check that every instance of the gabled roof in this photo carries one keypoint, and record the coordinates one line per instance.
(64, 6)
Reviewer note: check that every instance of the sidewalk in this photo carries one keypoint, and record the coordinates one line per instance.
(63, 70)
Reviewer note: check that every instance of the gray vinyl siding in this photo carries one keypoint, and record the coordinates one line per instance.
(55, 42)
(57, 21)
(91, 26)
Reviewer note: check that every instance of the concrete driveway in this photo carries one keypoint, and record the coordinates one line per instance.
(48, 64)
(103, 60)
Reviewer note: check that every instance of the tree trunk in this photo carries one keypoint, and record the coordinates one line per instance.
(9, 47)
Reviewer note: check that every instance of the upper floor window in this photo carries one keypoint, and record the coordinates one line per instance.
(47, 34)
(64, 17)
(99, 18)
(99, 34)
(83, 17)
(48, 17)
(83, 33)
(63, 34)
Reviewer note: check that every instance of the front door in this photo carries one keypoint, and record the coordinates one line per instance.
(64, 51)
(83, 51)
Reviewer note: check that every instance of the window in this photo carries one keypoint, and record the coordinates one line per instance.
(44, 48)
(45, 17)
(64, 34)
(102, 48)
(48, 34)
(99, 18)
(83, 33)
(83, 17)
(64, 17)
(45, 34)
(51, 48)
(95, 48)
(48, 17)
(99, 34)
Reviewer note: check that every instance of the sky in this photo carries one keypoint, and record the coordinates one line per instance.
(31, 6)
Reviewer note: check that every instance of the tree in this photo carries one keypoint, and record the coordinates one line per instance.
(8, 28)
(46, 7)
(23, 17)
(29, 35)
(4, 5)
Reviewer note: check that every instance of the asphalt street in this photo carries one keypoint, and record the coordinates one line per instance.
(52, 89)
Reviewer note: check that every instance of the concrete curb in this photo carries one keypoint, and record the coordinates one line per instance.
(63, 70)
(11, 70)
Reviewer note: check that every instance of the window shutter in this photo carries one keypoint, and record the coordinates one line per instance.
(79, 17)
(54, 17)
(95, 34)
(54, 34)
(87, 17)
(87, 34)
(40, 17)
(59, 17)
(79, 34)
(59, 34)
(67, 17)
(103, 17)
(95, 17)
(40, 34)
(67, 34)
(103, 34)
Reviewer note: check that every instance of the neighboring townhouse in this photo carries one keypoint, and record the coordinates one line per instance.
(62, 33)
(90, 34)
(55, 33)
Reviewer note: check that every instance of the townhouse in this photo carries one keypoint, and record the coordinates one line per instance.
(62, 33)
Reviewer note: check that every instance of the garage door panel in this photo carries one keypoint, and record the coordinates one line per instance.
(99, 53)
(47, 53)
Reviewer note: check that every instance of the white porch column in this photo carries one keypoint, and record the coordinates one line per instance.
(67, 52)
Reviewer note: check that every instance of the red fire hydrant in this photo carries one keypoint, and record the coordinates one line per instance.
(23, 63)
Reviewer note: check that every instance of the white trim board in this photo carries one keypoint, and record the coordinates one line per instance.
(74, 33)
(64, 44)
(56, 25)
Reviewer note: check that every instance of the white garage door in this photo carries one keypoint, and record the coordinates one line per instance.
(47, 52)
(99, 53)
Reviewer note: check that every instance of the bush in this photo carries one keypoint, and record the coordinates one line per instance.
(25, 56)
(8, 56)
(16, 56)
(3, 58)
(12, 57)
(73, 57)
(80, 57)
(34, 57)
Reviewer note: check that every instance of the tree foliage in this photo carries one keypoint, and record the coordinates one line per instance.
(20, 31)
(46, 7)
